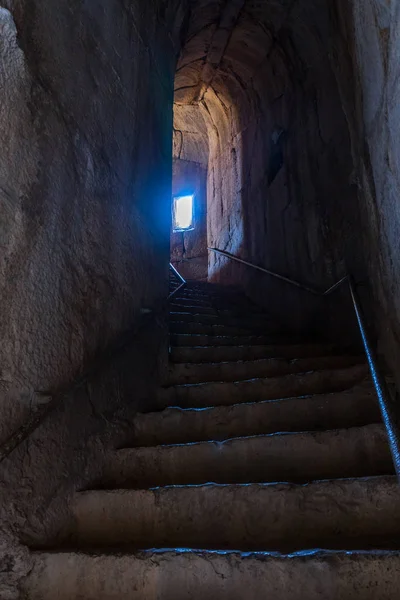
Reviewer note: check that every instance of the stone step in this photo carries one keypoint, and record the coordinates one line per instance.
(191, 303)
(351, 408)
(296, 457)
(227, 317)
(216, 287)
(237, 310)
(193, 308)
(269, 367)
(202, 395)
(211, 329)
(195, 312)
(192, 339)
(228, 298)
(213, 292)
(229, 301)
(286, 517)
(196, 575)
(210, 354)
(211, 298)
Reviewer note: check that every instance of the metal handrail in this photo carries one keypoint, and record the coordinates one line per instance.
(181, 279)
(387, 404)
(281, 277)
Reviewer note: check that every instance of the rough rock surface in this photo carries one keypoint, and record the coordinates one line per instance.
(86, 101)
(366, 50)
(85, 183)
(292, 106)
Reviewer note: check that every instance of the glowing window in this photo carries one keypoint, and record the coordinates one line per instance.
(183, 213)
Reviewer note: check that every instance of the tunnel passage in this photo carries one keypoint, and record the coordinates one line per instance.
(258, 113)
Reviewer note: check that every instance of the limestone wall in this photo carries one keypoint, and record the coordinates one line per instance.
(85, 183)
(366, 52)
(86, 93)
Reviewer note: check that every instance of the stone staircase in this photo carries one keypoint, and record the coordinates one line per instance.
(266, 473)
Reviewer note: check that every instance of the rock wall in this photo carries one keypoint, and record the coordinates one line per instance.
(85, 183)
(85, 194)
(366, 51)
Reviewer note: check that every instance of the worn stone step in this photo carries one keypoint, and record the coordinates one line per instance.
(189, 322)
(214, 287)
(184, 294)
(217, 329)
(229, 301)
(296, 457)
(351, 408)
(195, 310)
(192, 339)
(345, 513)
(180, 373)
(212, 298)
(194, 302)
(209, 354)
(201, 395)
(190, 303)
(193, 317)
(233, 318)
(197, 575)
(223, 293)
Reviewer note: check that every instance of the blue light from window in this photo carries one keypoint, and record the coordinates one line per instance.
(183, 213)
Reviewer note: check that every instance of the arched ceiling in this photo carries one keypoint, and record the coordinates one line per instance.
(239, 53)
(227, 35)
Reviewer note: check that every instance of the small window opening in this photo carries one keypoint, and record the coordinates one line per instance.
(183, 213)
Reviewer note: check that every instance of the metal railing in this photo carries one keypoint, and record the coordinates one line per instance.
(281, 277)
(176, 281)
(387, 404)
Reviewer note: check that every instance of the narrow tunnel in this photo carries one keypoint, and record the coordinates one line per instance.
(258, 116)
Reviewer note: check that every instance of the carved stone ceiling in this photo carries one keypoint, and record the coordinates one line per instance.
(227, 35)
